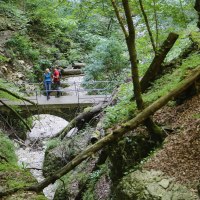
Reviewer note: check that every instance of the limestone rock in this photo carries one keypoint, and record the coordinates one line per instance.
(151, 185)
(164, 183)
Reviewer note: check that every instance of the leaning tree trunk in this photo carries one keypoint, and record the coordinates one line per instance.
(155, 67)
(112, 136)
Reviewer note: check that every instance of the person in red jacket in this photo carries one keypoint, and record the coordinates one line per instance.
(56, 80)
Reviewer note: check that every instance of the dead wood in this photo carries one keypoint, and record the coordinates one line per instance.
(85, 117)
(72, 72)
(81, 119)
(78, 65)
(112, 135)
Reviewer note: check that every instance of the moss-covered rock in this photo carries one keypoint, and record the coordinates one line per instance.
(127, 153)
(61, 153)
(12, 176)
(151, 185)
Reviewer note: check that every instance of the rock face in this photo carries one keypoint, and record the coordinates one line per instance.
(150, 185)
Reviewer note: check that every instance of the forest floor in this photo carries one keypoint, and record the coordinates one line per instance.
(179, 156)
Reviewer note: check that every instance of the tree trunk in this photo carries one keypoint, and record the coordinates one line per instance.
(153, 129)
(155, 67)
(112, 135)
(78, 65)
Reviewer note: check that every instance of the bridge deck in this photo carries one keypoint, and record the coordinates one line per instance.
(63, 101)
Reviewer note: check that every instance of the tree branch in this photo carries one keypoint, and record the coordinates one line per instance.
(147, 25)
(119, 18)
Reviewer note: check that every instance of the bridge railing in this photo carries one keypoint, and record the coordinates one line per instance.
(76, 89)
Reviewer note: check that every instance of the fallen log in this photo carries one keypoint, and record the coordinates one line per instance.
(113, 135)
(72, 72)
(84, 117)
(81, 119)
(78, 65)
(155, 67)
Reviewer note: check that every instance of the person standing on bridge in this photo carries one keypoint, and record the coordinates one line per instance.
(56, 80)
(47, 82)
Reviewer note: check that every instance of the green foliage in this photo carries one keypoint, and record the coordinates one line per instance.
(52, 144)
(3, 59)
(23, 47)
(107, 62)
(7, 148)
(89, 194)
(124, 109)
(195, 35)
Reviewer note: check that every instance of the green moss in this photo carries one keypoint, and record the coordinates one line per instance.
(89, 194)
(3, 59)
(11, 175)
(52, 144)
(7, 148)
(196, 38)
(70, 180)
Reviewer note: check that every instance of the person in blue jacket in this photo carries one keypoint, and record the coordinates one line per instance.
(47, 82)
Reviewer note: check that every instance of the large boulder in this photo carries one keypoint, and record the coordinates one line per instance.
(151, 185)
(128, 152)
(59, 155)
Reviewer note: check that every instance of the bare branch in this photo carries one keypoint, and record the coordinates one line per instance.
(16, 114)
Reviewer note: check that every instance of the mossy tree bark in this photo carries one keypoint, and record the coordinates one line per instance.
(111, 135)
(16, 114)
